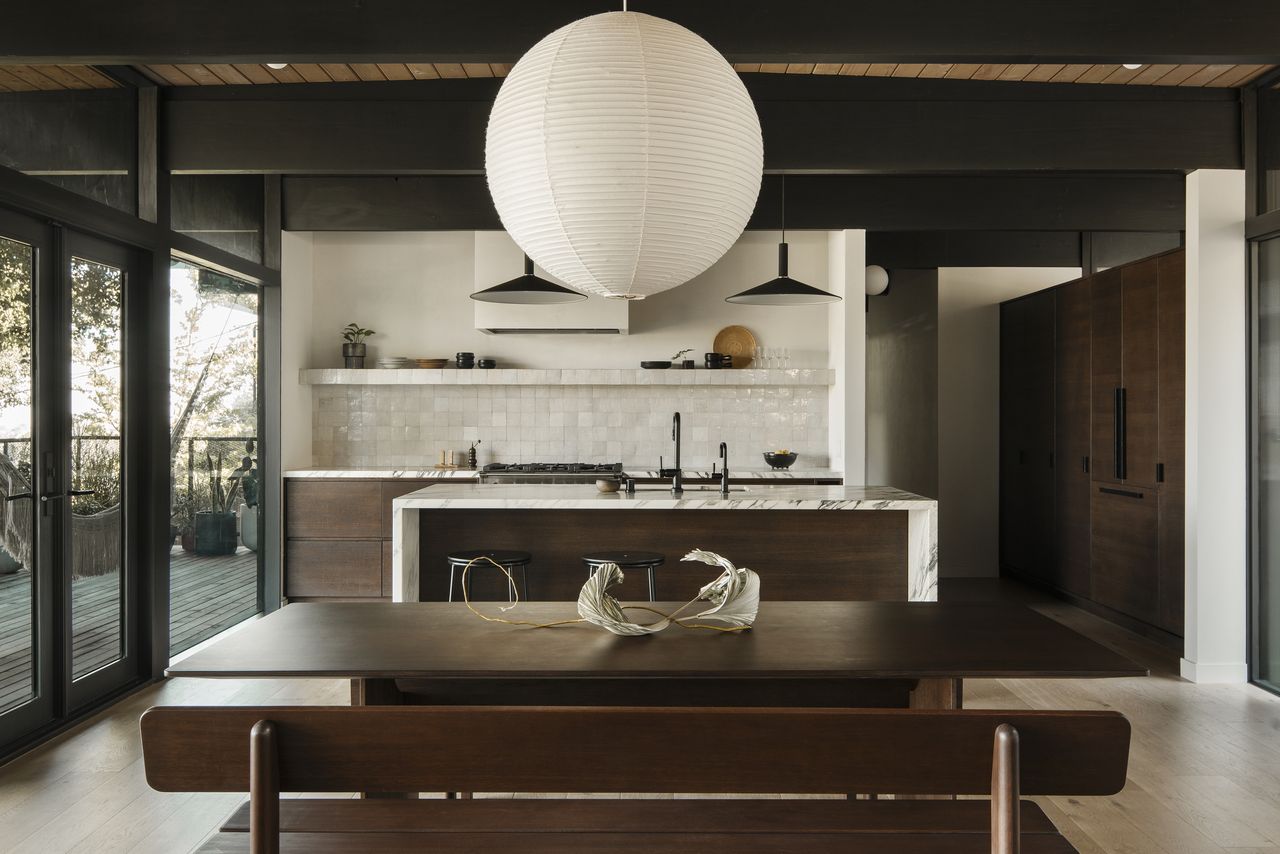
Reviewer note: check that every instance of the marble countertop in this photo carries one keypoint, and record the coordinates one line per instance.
(387, 472)
(585, 497)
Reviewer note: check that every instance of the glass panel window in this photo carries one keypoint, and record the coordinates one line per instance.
(213, 404)
(97, 466)
(17, 602)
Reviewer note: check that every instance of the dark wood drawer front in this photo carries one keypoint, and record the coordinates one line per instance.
(333, 509)
(393, 489)
(351, 568)
(1125, 551)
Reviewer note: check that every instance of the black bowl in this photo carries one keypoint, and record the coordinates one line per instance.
(653, 365)
(779, 461)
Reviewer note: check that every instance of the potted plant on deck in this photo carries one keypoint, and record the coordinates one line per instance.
(183, 523)
(216, 528)
(353, 352)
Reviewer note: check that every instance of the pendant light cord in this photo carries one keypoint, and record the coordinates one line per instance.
(784, 208)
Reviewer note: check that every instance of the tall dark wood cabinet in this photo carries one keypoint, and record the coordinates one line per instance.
(1114, 533)
(1073, 384)
(1026, 512)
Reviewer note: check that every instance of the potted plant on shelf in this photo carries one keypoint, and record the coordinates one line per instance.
(216, 528)
(353, 352)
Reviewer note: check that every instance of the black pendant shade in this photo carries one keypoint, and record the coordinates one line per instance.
(528, 290)
(783, 290)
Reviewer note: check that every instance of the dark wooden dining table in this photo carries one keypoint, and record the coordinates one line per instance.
(797, 653)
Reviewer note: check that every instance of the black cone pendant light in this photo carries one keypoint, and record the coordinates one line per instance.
(783, 290)
(528, 290)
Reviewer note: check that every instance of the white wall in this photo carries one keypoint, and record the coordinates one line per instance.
(969, 408)
(847, 334)
(1217, 429)
(296, 311)
(413, 288)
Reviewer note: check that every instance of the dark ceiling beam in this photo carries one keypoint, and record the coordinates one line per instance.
(810, 124)
(1153, 202)
(1199, 31)
(965, 248)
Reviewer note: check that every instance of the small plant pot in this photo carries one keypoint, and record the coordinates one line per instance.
(215, 533)
(249, 527)
(188, 540)
(353, 355)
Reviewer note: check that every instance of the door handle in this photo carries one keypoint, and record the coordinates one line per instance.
(16, 497)
(1115, 433)
(70, 493)
(1124, 433)
(1127, 493)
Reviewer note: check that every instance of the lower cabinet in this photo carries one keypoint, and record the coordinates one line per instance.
(1126, 555)
(334, 568)
(338, 536)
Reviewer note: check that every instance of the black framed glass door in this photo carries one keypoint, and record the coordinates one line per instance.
(69, 615)
(1265, 657)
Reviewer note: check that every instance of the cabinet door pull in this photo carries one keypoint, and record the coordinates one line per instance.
(1115, 434)
(1127, 493)
(1086, 465)
(1159, 472)
(1124, 434)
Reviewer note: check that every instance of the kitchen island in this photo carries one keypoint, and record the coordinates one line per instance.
(807, 542)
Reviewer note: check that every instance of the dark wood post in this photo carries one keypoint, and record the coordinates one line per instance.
(264, 790)
(1005, 797)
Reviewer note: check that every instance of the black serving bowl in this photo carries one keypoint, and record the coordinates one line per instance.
(779, 461)
(655, 365)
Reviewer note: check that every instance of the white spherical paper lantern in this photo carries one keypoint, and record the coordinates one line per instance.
(624, 154)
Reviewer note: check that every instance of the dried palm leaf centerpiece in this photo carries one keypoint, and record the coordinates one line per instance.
(734, 596)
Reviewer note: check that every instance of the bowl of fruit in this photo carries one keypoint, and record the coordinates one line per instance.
(780, 459)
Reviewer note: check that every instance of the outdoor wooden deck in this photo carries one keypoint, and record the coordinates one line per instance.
(207, 595)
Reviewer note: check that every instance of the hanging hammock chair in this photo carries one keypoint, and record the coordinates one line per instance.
(95, 540)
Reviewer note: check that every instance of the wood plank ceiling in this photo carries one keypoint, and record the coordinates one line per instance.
(20, 78)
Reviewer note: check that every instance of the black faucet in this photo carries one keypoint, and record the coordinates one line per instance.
(677, 476)
(724, 474)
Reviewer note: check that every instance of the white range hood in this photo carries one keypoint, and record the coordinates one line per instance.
(497, 259)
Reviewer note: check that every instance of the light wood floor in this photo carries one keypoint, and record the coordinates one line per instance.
(1204, 774)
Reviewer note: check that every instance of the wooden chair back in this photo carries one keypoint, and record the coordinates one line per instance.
(660, 750)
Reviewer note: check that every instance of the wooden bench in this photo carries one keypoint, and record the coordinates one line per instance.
(1003, 754)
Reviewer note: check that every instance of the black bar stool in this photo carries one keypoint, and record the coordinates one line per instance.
(627, 560)
(507, 559)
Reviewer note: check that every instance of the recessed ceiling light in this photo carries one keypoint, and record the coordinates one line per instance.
(1133, 66)
(278, 65)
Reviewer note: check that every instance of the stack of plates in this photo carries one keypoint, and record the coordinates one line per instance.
(393, 362)
(430, 363)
